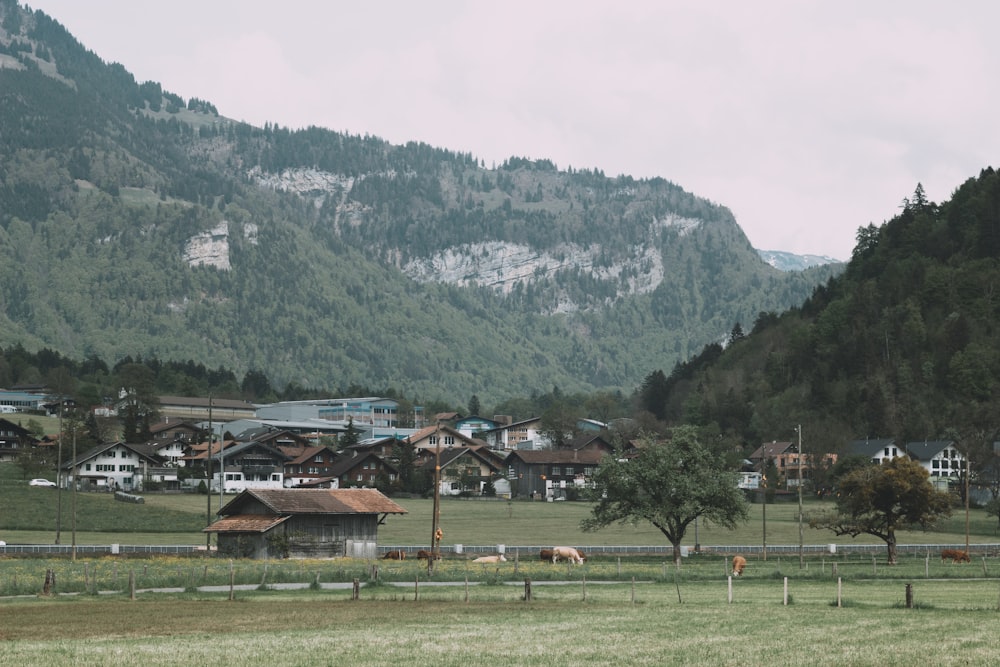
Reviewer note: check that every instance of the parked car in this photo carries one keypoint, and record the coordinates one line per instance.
(41, 482)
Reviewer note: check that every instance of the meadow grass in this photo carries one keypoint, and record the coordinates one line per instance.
(951, 623)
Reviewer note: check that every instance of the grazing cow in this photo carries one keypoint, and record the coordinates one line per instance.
(490, 559)
(545, 554)
(566, 553)
(956, 556)
(423, 554)
(395, 554)
(739, 562)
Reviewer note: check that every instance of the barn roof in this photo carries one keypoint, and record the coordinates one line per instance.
(315, 501)
(245, 523)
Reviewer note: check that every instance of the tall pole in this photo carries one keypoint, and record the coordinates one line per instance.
(799, 429)
(208, 475)
(73, 499)
(967, 471)
(59, 472)
(436, 517)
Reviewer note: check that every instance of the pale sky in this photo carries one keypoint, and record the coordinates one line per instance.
(806, 119)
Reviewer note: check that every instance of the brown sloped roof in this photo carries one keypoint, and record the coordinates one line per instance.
(557, 455)
(323, 501)
(245, 523)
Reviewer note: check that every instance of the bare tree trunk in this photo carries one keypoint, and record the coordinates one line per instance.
(890, 543)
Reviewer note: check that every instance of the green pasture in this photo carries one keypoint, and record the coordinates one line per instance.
(28, 515)
(672, 621)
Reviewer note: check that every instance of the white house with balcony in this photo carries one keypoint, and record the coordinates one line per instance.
(116, 466)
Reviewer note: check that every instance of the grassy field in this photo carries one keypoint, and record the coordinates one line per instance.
(28, 516)
(660, 623)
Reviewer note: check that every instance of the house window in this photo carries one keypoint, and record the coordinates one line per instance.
(361, 477)
(126, 468)
(449, 440)
(556, 470)
(318, 459)
(111, 454)
(105, 467)
(433, 440)
(87, 467)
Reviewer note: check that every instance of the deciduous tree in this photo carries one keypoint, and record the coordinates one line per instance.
(881, 499)
(668, 484)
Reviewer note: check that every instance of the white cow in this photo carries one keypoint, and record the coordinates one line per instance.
(566, 553)
(491, 559)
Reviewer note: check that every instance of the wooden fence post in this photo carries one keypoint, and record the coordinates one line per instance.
(909, 596)
(839, 589)
(131, 584)
(356, 589)
(527, 589)
(785, 595)
(730, 581)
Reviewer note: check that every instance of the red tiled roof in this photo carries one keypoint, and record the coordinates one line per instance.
(245, 523)
(326, 501)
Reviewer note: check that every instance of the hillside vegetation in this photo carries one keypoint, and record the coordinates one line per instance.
(903, 344)
(134, 223)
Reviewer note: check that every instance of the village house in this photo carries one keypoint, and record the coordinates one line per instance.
(111, 467)
(463, 469)
(363, 468)
(308, 464)
(551, 474)
(793, 469)
(302, 523)
(13, 439)
(519, 435)
(433, 437)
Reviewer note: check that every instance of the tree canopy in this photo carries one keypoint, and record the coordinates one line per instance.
(669, 484)
(881, 499)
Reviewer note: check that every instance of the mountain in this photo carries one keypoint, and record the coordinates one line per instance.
(903, 344)
(787, 261)
(135, 223)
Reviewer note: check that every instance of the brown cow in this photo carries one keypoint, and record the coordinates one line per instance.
(739, 562)
(423, 554)
(956, 556)
(545, 554)
(395, 554)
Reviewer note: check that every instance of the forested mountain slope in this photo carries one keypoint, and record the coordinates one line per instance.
(904, 344)
(133, 222)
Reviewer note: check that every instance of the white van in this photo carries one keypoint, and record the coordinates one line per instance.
(7, 409)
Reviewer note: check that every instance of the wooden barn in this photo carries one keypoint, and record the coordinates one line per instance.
(302, 523)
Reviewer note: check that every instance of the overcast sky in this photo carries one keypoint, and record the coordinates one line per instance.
(806, 119)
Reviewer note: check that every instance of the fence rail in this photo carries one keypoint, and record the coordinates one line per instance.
(527, 550)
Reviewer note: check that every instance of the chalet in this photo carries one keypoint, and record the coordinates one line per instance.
(250, 464)
(307, 464)
(463, 469)
(14, 439)
(519, 435)
(110, 467)
(383, 447)
(302, 523)
(876, 450)
(551, 474)
(176, 430)
(360, 469)
(940, 458)
(792, 468)
(432, 437)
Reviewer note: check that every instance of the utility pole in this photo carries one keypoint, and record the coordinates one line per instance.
(436, 532)
(799, 429)
(208, 475)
